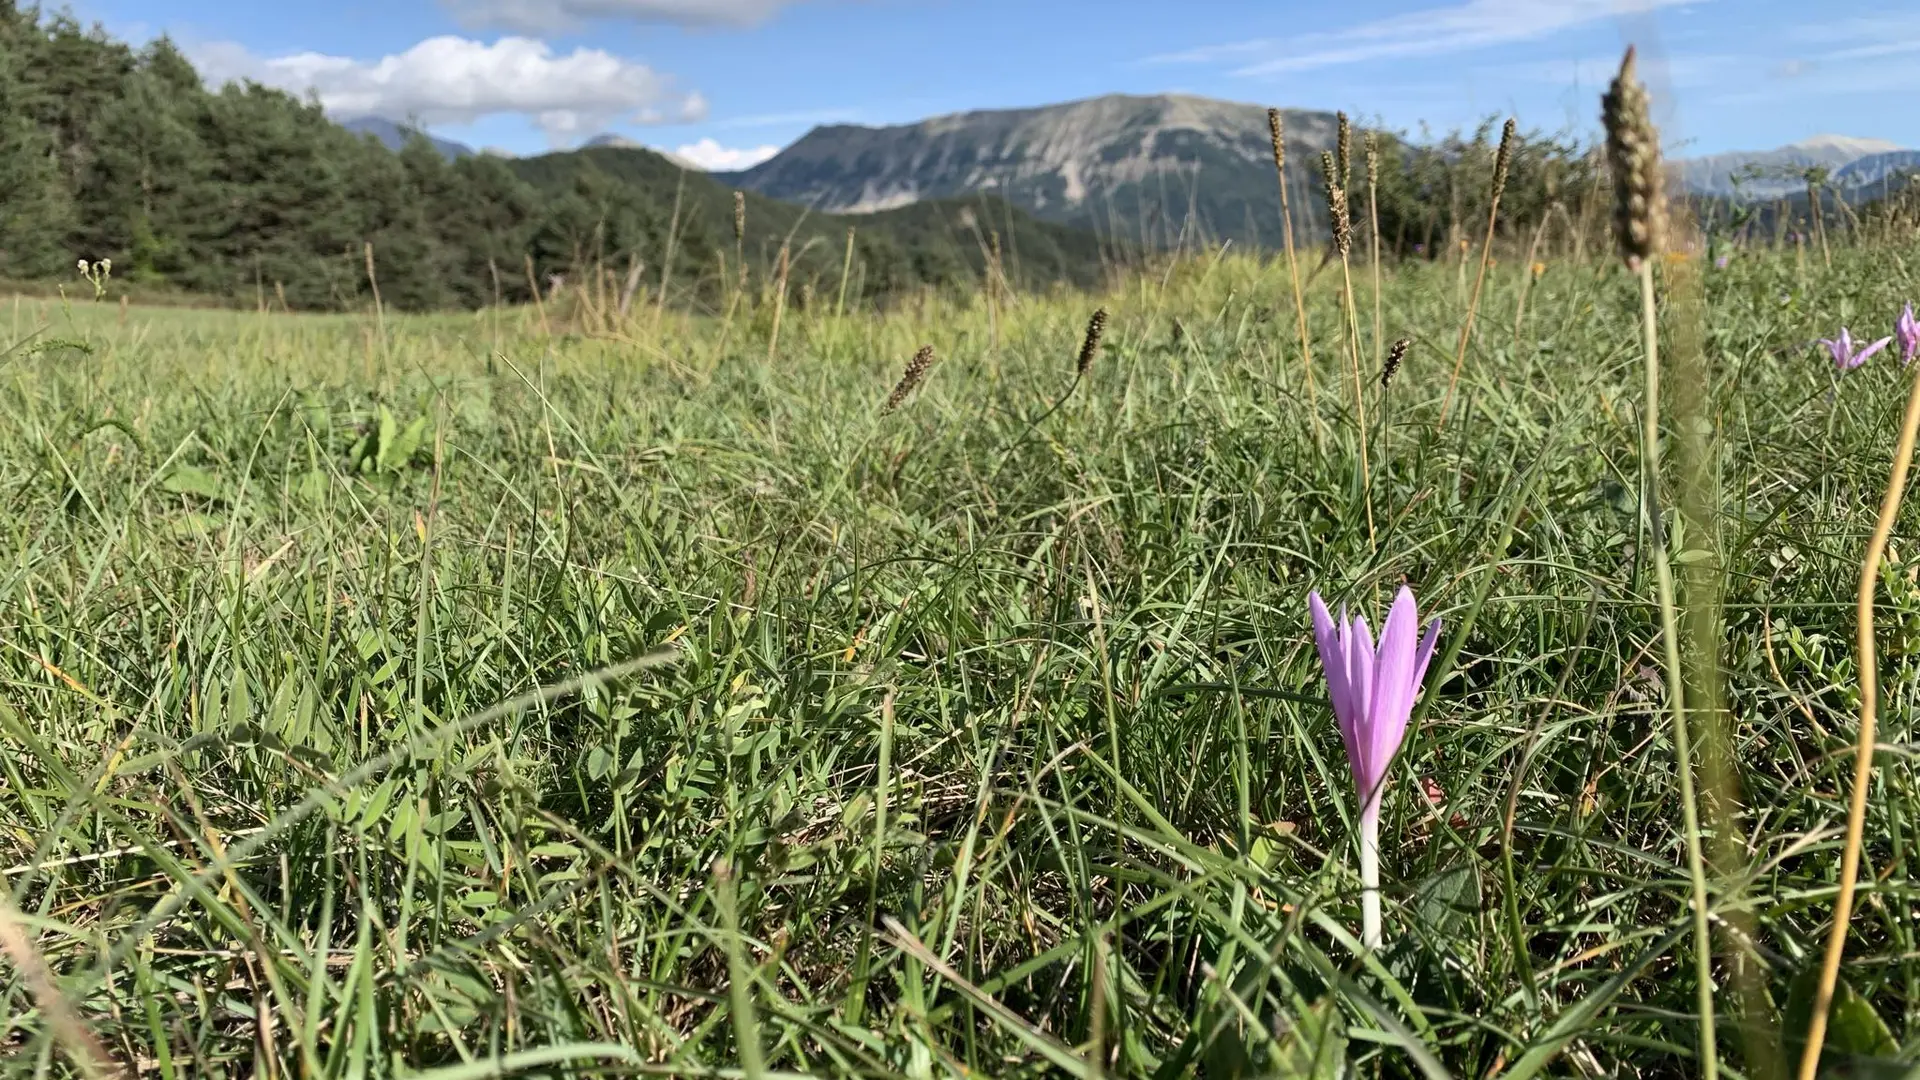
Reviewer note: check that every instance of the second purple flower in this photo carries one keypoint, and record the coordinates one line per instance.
(1846, 356)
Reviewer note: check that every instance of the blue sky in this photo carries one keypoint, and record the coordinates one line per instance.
(724, 80)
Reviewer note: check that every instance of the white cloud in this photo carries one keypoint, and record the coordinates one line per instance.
(534, 16)
(712, 157)
(454, 80)
(1475, 24)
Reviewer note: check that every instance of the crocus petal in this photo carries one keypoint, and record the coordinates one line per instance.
(1427, 644)
(1861, 356)
(1835, 350)
(1360, 659)
(1333, 659)
(1360, 687)
(1392, 687)
(1323, 633)
(1391, 729)
(1393, 663)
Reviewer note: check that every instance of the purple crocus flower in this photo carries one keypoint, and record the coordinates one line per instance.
(1907, 329)
(1720, 262)
(1845, 357)
(1372, 691)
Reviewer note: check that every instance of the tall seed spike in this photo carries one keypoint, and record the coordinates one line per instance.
(1395, 356)
(1633, 156)
(1337, 205)
(1090, 345)
(1503, 161)
(910, 379)
(1343, 147)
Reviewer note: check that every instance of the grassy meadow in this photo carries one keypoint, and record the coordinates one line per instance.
(475, 695)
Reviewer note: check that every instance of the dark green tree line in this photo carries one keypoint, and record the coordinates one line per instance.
(245, 192)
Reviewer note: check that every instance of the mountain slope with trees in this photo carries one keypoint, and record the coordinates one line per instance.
(1168, 171)
(606, 203)
(250, 194)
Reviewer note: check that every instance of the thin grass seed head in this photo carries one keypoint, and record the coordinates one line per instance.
(739, 216)
(1090, 345)
(1371, 144)
(1633, 157)
(1276, 127)
(1343, 147)
(910, 379)
(1395, 356)
(1337, 205)
(1503, 160)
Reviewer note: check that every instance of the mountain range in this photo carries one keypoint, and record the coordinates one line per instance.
(1154, 171)
(1140, 171)
(394, 135)
(1135, 169)
(1142, 168)
(602, 192)
(1853, 166)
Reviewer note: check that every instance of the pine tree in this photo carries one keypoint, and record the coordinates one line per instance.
(36, 209)
(149, 174)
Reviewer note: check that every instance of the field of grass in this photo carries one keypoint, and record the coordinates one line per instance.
(439, 696)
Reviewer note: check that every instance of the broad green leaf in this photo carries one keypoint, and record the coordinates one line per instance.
(188, 480)
(1853, 1027)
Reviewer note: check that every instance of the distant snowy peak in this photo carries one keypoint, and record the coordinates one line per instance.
(1874, 168)
(1844, 145)
(1769, 174)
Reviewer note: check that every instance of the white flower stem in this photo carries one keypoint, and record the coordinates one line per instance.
(1370, 873)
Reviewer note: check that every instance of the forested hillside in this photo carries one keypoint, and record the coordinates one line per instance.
(112, 152)
(602, 204)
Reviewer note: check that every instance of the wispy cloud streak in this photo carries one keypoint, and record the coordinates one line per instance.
(1476, 24)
